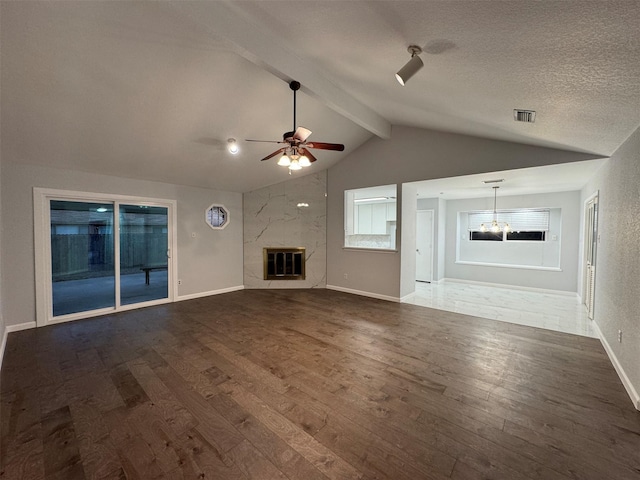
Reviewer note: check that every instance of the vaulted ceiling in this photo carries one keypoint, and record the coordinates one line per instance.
(153, 90)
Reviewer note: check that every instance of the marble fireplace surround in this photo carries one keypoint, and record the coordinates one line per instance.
(288, 214)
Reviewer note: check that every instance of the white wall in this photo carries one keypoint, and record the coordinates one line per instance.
(273, 219)
(411, 154)
(209, 262)
(568, 237)
(617, 287)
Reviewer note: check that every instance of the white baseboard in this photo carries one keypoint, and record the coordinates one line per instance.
(4, 344)
(631, 391)
(20, 326)
(12, 328)
(209, 293)
(511, 287)
(363, 293)
(408, 298)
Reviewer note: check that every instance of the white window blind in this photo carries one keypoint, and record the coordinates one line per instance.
(520, 220)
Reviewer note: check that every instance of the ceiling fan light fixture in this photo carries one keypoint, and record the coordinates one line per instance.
(295, 165)
(284, 161)
(304, 161)
(412, 66)
(296, 154)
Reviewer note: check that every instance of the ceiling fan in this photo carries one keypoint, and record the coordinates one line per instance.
(295, 153)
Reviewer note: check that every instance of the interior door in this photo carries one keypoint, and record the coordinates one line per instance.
(424, 245)
(591, 242)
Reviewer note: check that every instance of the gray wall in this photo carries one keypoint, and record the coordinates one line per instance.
(2, 322)
(273, 219)
(617, 299)
(210, 261)
(410, 155)
(568, 236)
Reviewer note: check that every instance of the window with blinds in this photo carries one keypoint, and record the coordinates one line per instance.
(520, 220)
(526, 224)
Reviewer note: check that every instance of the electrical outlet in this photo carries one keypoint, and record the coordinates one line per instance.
(179, 282)
(619, 336)
(346, 276)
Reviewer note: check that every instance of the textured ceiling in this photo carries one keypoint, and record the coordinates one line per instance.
(153, 89)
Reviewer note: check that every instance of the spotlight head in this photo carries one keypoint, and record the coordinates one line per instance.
(412, 66)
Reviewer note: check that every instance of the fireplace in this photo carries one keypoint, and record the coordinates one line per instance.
(284, 263)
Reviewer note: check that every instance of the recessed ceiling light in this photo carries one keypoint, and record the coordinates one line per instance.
(497, 180)
(232, 146)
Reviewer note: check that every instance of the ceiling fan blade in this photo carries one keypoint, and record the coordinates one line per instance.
(308, 154)
(280, 150)
(301, 134)
(264, 141)
(326, 146)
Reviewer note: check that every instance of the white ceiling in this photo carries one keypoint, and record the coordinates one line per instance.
(154, 89)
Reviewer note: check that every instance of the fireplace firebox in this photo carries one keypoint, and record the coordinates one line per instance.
(284, 263)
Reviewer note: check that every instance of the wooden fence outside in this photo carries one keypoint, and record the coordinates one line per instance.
(91, 255)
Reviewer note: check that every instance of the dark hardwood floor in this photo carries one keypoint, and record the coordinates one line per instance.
(311, 384)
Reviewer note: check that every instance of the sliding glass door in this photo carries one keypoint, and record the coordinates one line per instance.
(144, 272)
(102, 253)
(82, 260)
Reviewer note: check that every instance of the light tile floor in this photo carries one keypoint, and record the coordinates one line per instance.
(562, 313)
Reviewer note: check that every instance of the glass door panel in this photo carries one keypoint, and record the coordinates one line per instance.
(82, 256)
(144, 234)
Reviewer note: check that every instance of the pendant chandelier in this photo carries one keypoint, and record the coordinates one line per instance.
(495, 226)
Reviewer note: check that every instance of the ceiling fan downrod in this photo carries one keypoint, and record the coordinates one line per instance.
(295, 86)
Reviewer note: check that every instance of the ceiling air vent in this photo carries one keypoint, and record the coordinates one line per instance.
(527, 116)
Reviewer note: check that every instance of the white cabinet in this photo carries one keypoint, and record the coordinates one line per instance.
(391, 212)
(364, 219)
(372, 219)
(379, 219)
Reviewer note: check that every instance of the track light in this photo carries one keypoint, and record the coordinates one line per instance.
(232, 146)
(412, 66)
